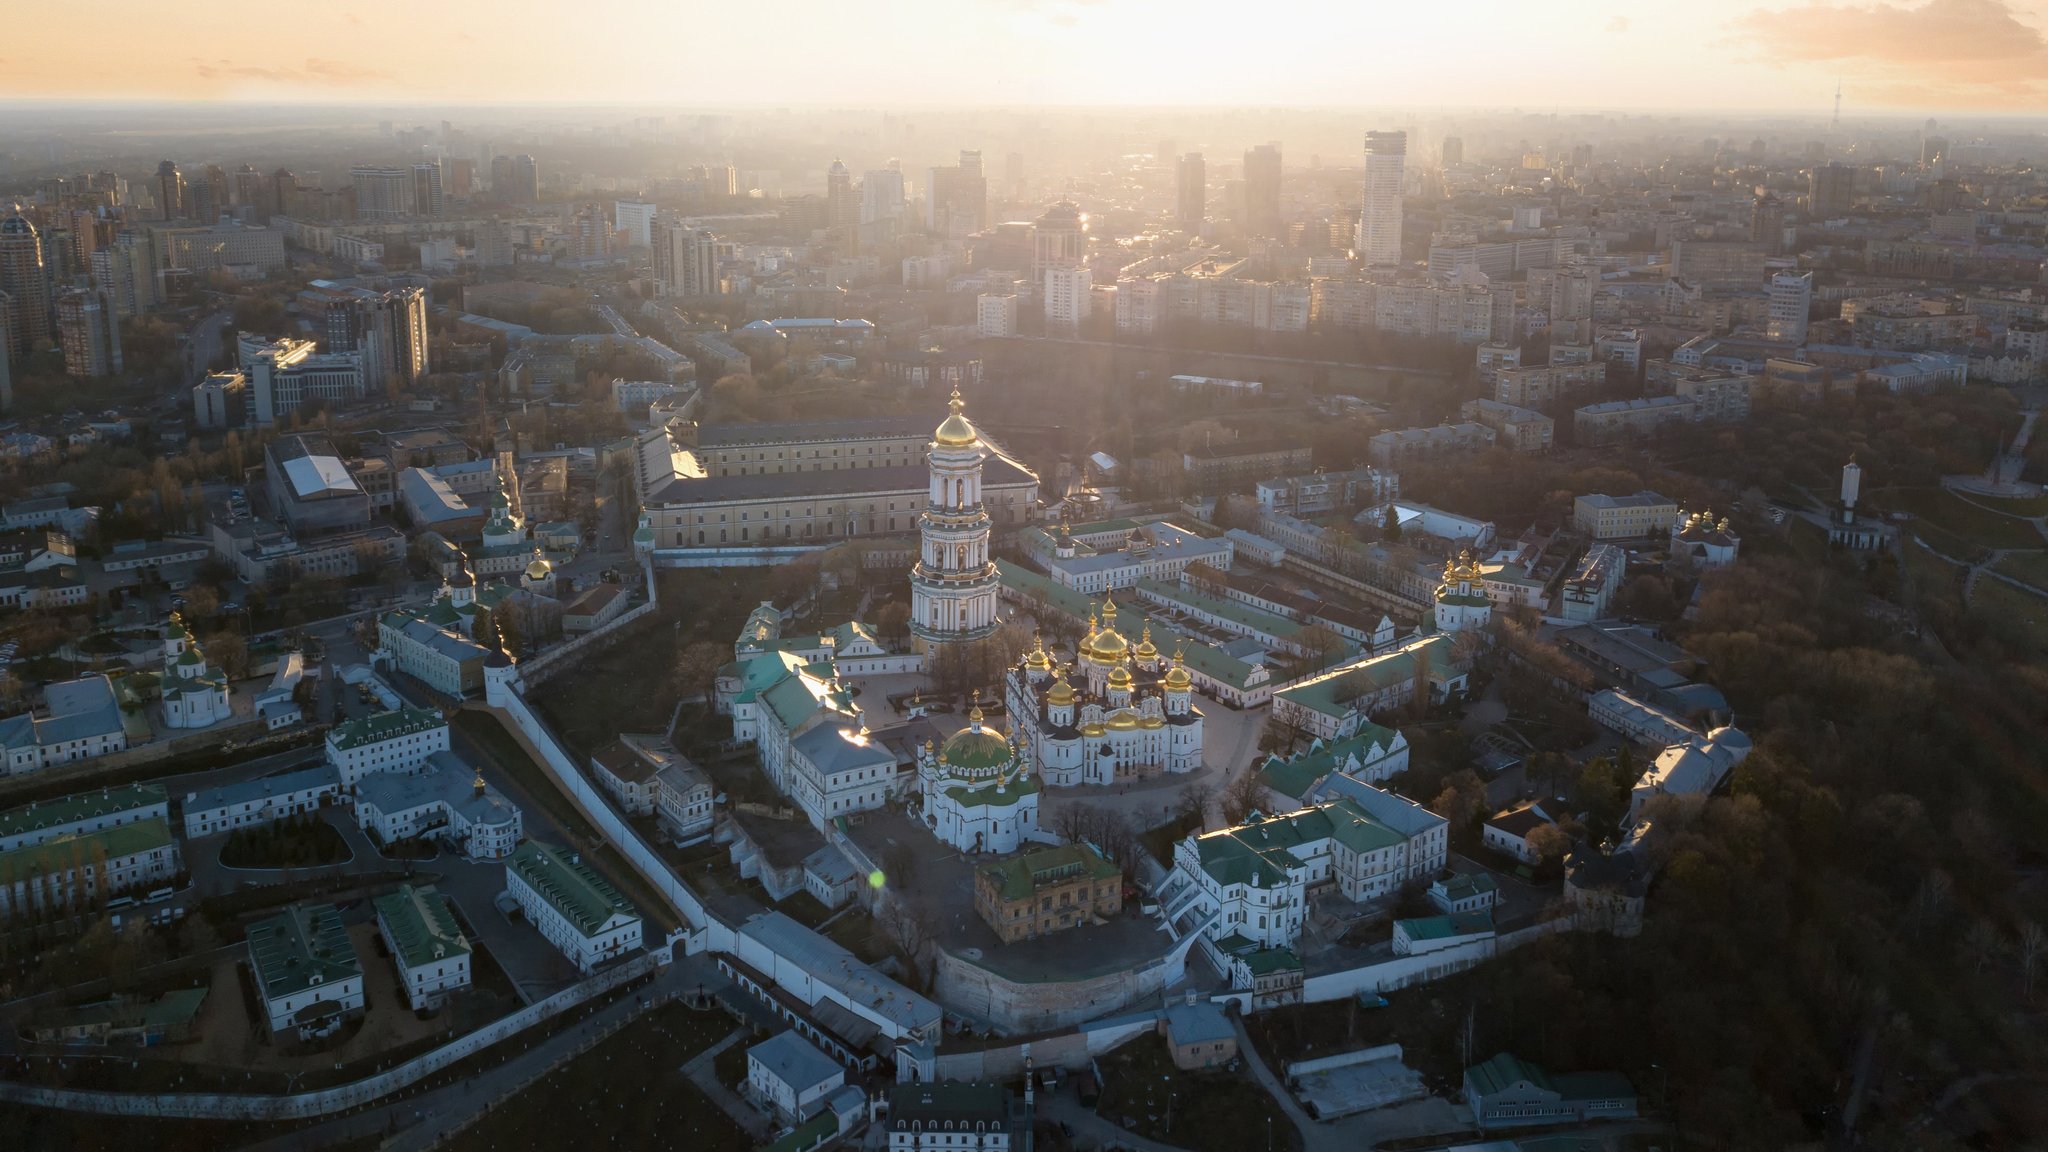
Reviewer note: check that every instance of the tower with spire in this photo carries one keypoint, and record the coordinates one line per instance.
(953, 585)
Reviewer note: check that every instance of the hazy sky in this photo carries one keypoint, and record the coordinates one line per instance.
(1946, 55)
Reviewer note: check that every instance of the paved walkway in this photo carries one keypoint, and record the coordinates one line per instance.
(1091, 1131)
(700, 1071)
(1314, 1138)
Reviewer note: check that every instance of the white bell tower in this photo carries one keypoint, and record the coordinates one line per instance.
(953, 585)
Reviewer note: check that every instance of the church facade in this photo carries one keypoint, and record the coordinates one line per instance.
(1121, 712)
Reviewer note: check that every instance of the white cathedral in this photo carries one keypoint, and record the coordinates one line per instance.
(1123, 712)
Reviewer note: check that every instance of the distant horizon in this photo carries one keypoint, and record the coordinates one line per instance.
(1906, 58)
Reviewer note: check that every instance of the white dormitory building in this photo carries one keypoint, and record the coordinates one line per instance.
(305, 969)
(1152, 552)
(570, 905)
(1694, 768)
(1247, 887)
(791, 1076)
(76, 870)
(81, 813)
(246, 803)
(1590, 590)
(80, 719)
(443, 799)
(396, 741)
(427, 946)
(1640, 516)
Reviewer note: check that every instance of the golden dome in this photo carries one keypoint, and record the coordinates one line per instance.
(1061, 694)
(1151, 722)
(1108, 645)
(1177, 677)
(1036, 659)
(1145, 650)
(1091, 729)
(539, 569)
(955, 431)
(1464, 566)
(1123, 720)
(1120, 676)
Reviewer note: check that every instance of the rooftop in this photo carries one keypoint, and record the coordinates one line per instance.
(61, 855)
(244, 791)
(79, 806)
(794, 1061)
(1017, 877)
(836, 968)
(422, 922)
(574, 889)
(300, 947)
(384, 726)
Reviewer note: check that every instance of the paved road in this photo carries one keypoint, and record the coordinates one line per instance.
(1092, 1131)
(203, 345)
(702, 1073)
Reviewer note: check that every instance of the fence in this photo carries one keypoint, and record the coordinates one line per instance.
(305, 1105)
(1405, 971)
(562, 655)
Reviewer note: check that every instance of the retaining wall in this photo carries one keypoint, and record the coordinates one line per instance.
(304, 1105)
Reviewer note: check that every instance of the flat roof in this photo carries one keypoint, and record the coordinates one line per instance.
(228, 795)
(319, 477)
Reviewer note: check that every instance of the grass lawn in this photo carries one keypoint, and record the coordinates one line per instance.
(1933, 577)
(87, 1132)
(1960, 517)
(1216, 1111)
(2017, 505)
(628, 1092)
(2031, 567)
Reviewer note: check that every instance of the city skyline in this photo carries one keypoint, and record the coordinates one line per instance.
(1988, 56)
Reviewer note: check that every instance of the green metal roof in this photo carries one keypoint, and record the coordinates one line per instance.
(1260, 851)
(1019, 876)
(1269, 960)
(1443, 927)
(304, 945)
(384, 726)
(79, 806)
(68, 852)
(1332, 692)
(1503, 1071)
(989, 795)
(1244, 615)
(422, 922)
(977, 747)
(1294, 777)
(570, 886)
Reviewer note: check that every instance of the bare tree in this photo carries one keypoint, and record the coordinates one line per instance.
(1246, 793)
(2033, 943)
(1071, 822)
(1194, 803)
(909, 928)
(696, 670)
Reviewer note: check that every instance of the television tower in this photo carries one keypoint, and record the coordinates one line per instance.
(1835, 125)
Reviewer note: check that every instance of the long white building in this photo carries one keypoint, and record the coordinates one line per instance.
(397, 741)
(427, 946)
(573, 907)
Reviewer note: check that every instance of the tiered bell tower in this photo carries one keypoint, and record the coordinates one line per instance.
(953, 585)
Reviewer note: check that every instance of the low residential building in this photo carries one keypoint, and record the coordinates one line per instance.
(1425, 934)
(1506, 1092)
(80, 871)
(1466, 892)
(1646, 724)
(1238, 463)
(817, 971)
(306, 970)
(1152, 552)
(1046, 890)
(1590, 590)
(1511, 831)
(955, 1116)
(1694, 768)
(1396, 447)
(80, 719)
(1541, 385)
(595, 607)
(443, 660)
(1248, 886)
(574, 908)
(683, 799)
(442, 799)
(792, 1077)
(81, 813)
(1620, 420)
(1523, 429)
(1638, 517)
(1371, 754)
(1339, 702)
(395, 741)
(426, 942)
(1198, 1034)
(626, 767)
(246, 803)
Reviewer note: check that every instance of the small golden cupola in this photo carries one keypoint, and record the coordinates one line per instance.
(1145, 652)
(1036, 659)
(1108, 645)
(1120, 675)
(955, 431)
(1061, 694)
(1177, 678)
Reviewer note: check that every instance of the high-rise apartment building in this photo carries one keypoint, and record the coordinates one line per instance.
(1791, 301)
(28, 291)
(1190, 190)
(525, 179)
(427, 198)
(170, 190)
(1067, 292)
(125, 272)
(387, 332)
(209, 195)
(90, 334)
(1262, 191)
(1059, 239)
(1453, 151)
(685, 259)
(1831, 190)
(1379, 218)
(284, 192)
(461, 177)
(494, 245)
(252, 191)
(956, 198)
(881, 195)
(1767, 221)
(842, 209)
(635, 221)
(590, 234)
(382, 193)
